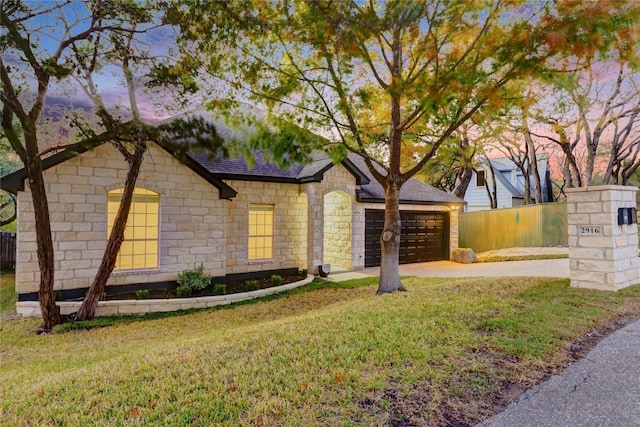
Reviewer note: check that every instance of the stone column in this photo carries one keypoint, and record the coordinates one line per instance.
(454, 221)
(315, 226)
(603, 254)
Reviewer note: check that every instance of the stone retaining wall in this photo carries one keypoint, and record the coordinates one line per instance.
(144, 306)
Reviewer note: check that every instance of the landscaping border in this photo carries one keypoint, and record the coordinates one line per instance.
(144, 306)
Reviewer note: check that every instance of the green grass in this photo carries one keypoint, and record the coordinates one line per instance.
(8, 295)
(10, 228)
(327, 354)
(503, 258)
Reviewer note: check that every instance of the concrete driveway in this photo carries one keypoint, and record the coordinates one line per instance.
(533, 268)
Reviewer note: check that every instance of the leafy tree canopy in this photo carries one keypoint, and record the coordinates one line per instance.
(384, 78)
(378, 73)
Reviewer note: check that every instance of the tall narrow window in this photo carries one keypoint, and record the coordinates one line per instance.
(140, 246)
(260, 231)
(480, 178)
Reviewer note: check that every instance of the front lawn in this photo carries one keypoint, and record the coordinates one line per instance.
(7, 293)
(444, 353)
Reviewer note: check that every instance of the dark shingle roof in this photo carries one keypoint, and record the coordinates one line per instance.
(413, 191)
(239, 168)
(214, 169)
(504, 167)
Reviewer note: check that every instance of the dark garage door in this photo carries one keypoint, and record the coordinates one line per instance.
(424, 236)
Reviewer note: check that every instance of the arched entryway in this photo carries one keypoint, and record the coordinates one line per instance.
(337, 216)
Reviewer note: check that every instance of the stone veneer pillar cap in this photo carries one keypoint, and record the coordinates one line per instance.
(601, 188)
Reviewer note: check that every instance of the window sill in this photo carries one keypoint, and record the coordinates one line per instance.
(260, 261)
(136, 271)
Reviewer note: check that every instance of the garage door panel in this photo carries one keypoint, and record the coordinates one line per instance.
(424, 236)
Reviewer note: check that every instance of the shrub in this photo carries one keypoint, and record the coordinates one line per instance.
(142, 294)
(195, 279)
(252, 285)
(183, 291)
(219, 289)
(276, 280)
(304, 272)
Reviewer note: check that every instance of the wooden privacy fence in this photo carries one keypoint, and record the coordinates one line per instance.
(7, 251)
(523, 226)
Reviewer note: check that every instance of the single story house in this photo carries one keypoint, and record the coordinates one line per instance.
(509, 184)
(232, 219)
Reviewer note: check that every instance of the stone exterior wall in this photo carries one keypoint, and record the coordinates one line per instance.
(338, 178)
(602, 254)
(192, 228)
(196, 227)
(290, 226)
(338, 213)
(454, 235)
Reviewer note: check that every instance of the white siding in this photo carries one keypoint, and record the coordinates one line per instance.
(477, 199)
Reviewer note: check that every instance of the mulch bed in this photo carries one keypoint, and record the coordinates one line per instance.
(232, 288)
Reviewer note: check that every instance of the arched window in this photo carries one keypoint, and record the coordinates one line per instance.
(140, 246)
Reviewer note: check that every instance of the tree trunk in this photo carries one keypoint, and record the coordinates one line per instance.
(90, 303)
(461, 189)
(531, 158)
(46, 297)
(6, 205)
(571, 167)
(493, 198)
(390, 242)
(533, 167)
(527, 186)
(591, 161)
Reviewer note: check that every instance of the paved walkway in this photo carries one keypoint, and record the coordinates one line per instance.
(601, 390)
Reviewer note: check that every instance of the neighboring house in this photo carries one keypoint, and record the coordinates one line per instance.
(234, 220)
(509, 184)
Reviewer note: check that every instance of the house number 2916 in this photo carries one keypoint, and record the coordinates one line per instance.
(589, 230)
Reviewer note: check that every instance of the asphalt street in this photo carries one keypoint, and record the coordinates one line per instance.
(601, 390)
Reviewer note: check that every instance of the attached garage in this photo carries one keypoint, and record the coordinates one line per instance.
(424, 236)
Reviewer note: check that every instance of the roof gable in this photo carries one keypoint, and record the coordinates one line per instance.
(14, 182)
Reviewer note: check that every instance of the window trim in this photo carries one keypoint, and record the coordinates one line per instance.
(146, 268)
(261, 207)
(481, 178)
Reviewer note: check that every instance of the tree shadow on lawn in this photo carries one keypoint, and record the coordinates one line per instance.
(285, 310)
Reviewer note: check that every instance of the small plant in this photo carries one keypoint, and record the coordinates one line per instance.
(252, 285)
(142, 294)
(303, 272)
(195, 279)
(276, 280)
(219, 289)
(183, 291)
